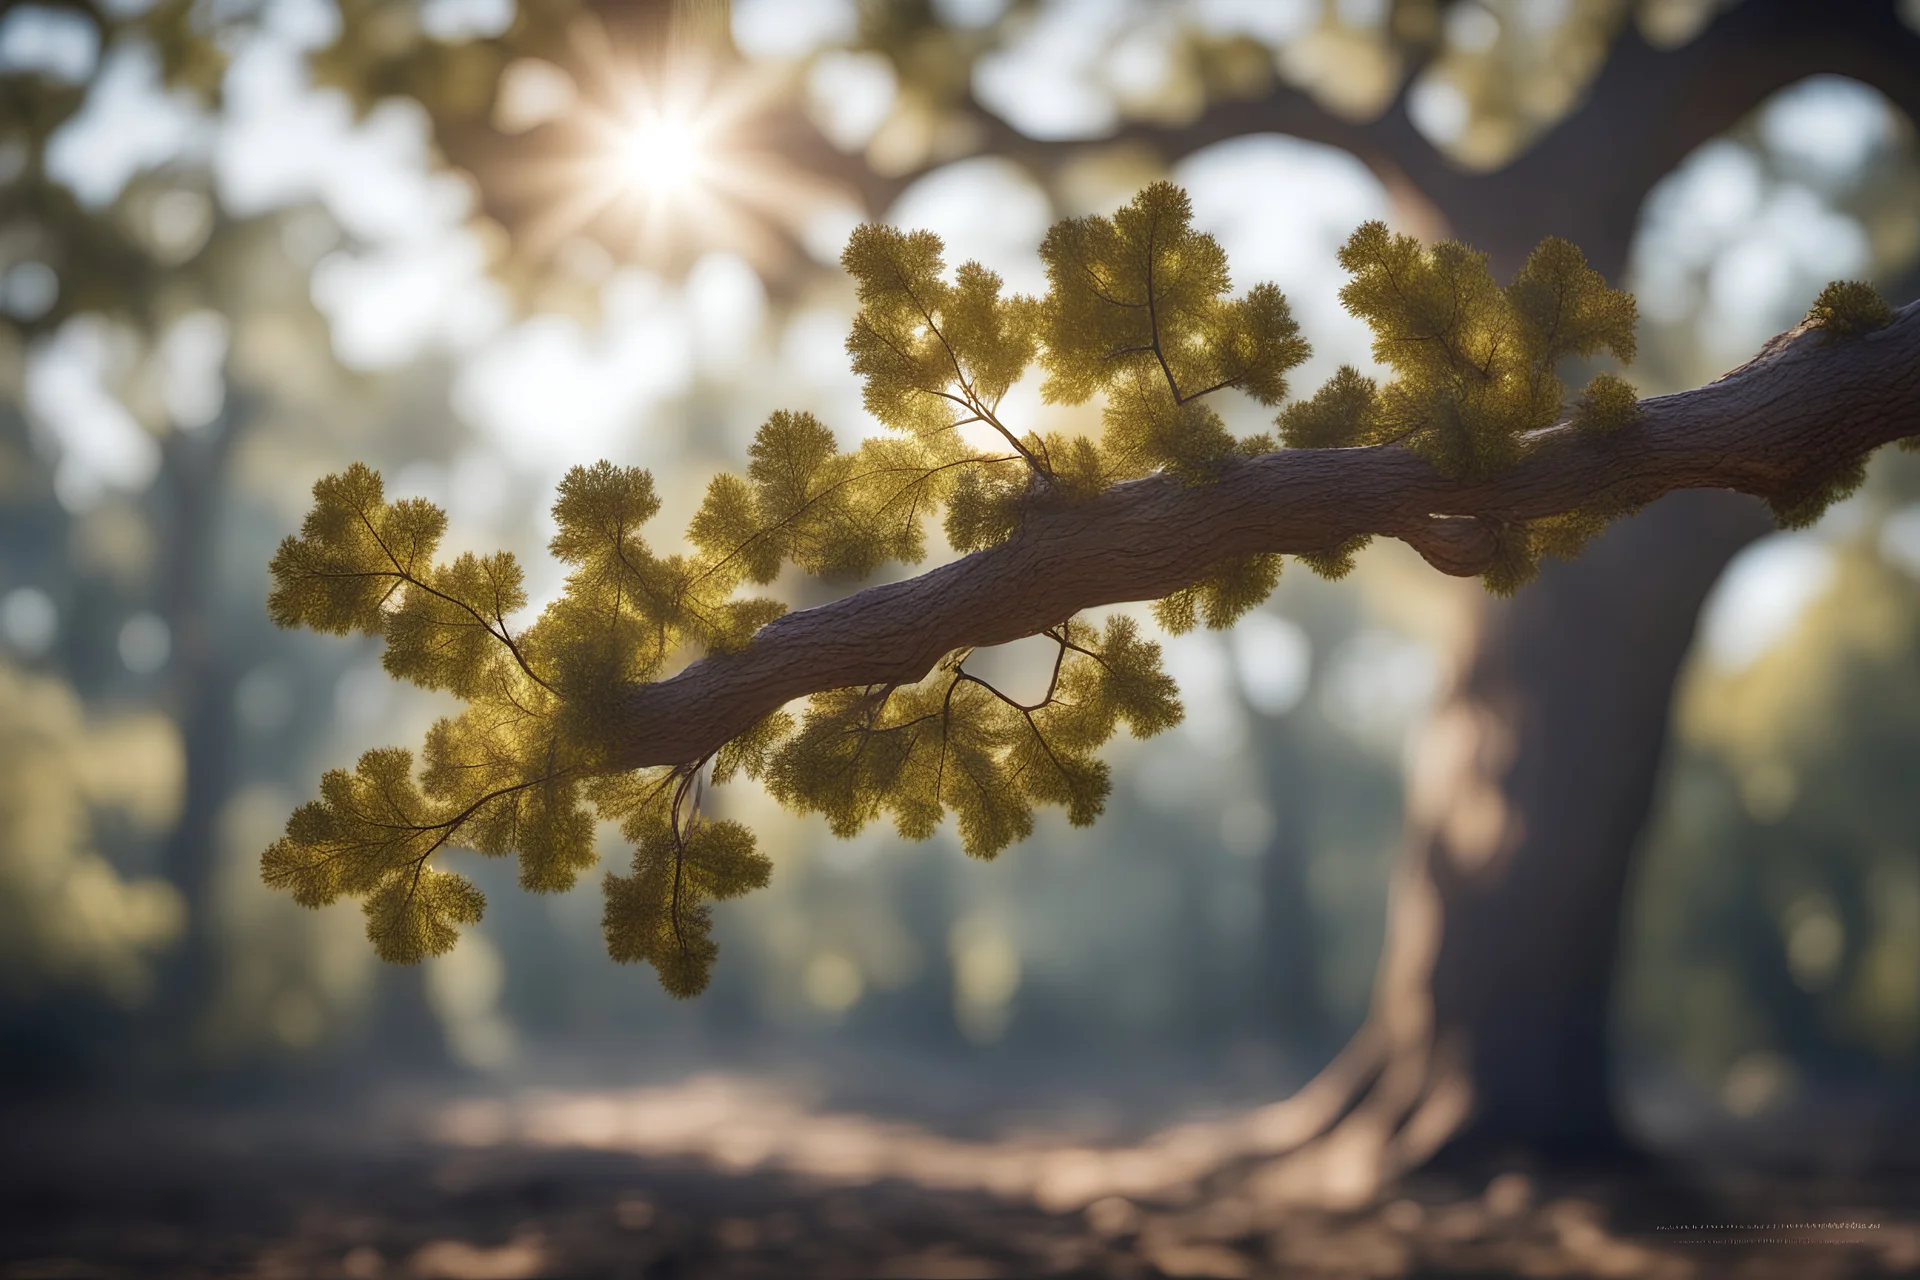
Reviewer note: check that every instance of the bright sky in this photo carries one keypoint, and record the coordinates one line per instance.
(1763, 591)
(1746, 252)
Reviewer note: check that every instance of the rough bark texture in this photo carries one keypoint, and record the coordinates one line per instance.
(1802, 407)
(1530, 791)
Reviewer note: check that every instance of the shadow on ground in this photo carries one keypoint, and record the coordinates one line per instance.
(728, 1176)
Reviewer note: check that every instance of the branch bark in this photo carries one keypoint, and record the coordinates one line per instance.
(1802, 408)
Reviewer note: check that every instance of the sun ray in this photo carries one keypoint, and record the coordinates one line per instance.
(661, 161)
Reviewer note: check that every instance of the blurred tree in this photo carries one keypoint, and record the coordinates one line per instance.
(130, 277)
(1782, 878)
(70, 917)
(126, 502)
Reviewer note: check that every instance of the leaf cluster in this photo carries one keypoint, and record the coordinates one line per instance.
(954, 743)
(1475, 362)
(1139, 311)
(520, 771)
(1138, 307)
(370, 835)
(1849, 309)
(681, 862)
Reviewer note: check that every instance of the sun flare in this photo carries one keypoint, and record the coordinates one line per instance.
(663, 162)
(664, 153)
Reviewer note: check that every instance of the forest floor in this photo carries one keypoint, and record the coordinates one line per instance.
(729, 1177)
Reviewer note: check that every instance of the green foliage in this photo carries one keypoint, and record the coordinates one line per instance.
(627, 610)
(1849, 309)
(1336, 562)
(1138, 310)
(1516, 560)
(932, 353)
(1476, 362)
(1564, 536)
(748, 753)
(1147, 429)
(659, 913)
(1340, 415)
(510, 774)
(1802, 507)
(1608, 404)
(370, 835)
(354, 552)
(954, 743)
(1220, 599)
(984, 509)
(829, 513)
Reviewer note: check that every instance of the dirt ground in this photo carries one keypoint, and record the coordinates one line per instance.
(493, 1195)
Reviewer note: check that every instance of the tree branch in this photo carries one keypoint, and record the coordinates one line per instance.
(1802, 408)
(1585, 177)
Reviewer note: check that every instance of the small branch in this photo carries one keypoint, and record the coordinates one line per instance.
(1053, 681)
(1221, 385)
(924, 472)
(1021, 707)
(405, 574)
(679, 853)
(1802, 408)
(968, 399)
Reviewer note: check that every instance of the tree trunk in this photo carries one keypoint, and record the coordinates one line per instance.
(1529, 792)
(200, 689)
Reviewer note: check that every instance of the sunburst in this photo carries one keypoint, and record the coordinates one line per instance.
(661, 163)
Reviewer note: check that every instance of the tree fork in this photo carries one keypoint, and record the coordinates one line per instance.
(1803, 409)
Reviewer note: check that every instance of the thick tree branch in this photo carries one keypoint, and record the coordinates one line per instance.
(1805, 406)
(1583, 179)
(1586, 177)
(1389, 146)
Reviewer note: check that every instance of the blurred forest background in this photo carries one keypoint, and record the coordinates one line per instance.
(245, 242)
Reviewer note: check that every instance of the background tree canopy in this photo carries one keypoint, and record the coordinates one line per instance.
(477, 247)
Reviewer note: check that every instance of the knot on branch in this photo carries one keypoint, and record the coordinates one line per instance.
(1462, 546)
